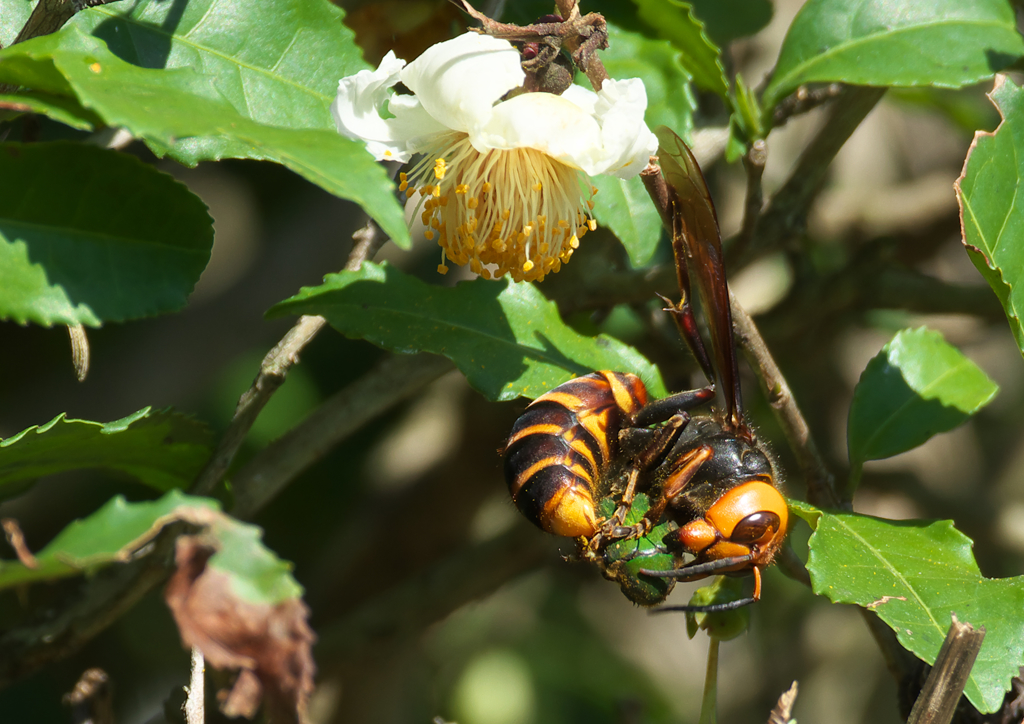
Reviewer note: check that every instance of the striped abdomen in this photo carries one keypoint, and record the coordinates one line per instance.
(560, 447)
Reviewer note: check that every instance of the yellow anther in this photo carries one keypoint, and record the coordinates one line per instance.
(538, 186)
(435, 223)
(403, 185)
(437, 191)
(472, 202)
(444, 201)
(591, 224)
(439, 168)
(505, 214)
(428, 235)
(574, 242)
(590, 204)
(486, 274)
(425, 217)
(520, 237)
(594, 190)
(462, 189)
(527, 266)
(563, 224)
(545, 248)
(487, 187)
(442, 269)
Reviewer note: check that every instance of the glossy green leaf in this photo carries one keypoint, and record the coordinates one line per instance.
(89, 236)
(13, 14)
(190, 116)
(914, 574)
(161, 449)
(623, 205)
(916, 387)
(674, 21)
(991, 217)
(505, 337)
(60, 108)
(726, 20)
(623, 560)
(119, 529)
(904, 43)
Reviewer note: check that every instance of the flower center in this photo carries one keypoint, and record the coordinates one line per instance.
(517, 212)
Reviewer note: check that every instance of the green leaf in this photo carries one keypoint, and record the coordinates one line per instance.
(623, 205)
(674, 21)
(726, 20)
(505, 337)
(59, 108)
(945, 43)
(161, 449)
(89, 236)
(990, 215)
(623, 560)
(119, 529)
(13, 14)
(187, 114)
(914, 574)
(916, 387)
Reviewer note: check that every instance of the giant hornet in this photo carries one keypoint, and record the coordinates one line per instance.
(709, 484)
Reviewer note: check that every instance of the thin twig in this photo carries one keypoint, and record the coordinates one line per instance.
(195, 704)
(783, 711)
(79, 350)
(945, 683)
(821, 489)
(395, 379)
(802, 100)
(786, 214)
(273, 371)
(753, 164)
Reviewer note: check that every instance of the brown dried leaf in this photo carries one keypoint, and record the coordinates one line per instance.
(270, 645)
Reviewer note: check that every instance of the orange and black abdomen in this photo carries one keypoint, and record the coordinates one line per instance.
(560, 447)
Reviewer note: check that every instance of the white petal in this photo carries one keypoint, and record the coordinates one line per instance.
(547, 123)
(356, 111)
(628, 142)
(459, 81)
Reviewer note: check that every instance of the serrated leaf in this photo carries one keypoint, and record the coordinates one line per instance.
(89, 236)
(117, 530)
(991, 218)
(189, 115)
(914, 574)
(161, 449)
(674, 21)
(903, 43)
(623, 205)
(916, 387)
(506, 337)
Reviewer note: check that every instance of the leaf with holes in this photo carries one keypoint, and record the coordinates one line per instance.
(89, 236)
(991, 218)
(902, 43)
(161, 449)
(505, 337)
(914, 574)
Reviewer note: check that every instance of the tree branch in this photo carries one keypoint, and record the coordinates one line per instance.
(821, 488)
(393, 380)
(786, 214)
(274, 370)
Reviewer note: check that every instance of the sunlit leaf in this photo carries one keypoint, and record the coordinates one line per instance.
(915, 388)
(991, 216)
(89, 236)
(163, 450)
(904, 43)
(505, 337)
(914, 574)
(119, 529)
(187, 114)
(674, 21)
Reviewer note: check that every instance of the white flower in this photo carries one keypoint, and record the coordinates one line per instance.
(501, 183)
